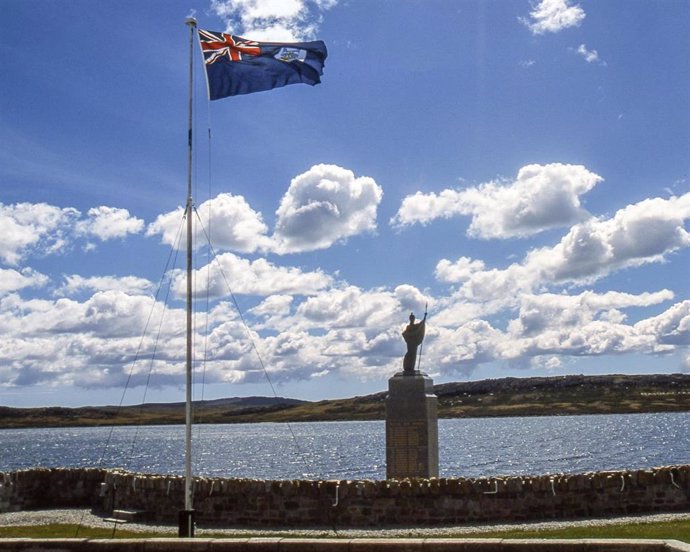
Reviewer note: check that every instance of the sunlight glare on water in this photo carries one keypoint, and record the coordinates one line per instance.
(356, 450)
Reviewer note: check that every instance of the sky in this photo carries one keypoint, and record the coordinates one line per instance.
(519, 166)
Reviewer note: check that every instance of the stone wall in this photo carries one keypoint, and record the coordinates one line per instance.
(356, 503)
(42, 488)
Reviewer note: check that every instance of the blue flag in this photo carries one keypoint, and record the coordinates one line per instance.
(235, 65)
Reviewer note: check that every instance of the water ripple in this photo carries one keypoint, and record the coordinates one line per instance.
(356, 450)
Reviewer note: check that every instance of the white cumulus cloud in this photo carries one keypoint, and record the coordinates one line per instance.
(12, 280)
(75, 283)
(106, 223)
(39, 229)
(558, 311)
(34, 228)
(550, 327)
(671, 327)
(272, 20)
(352, 307)
(324, 205)
(458, 271)
(229, 221)
(228, 272)
(541, 197)
(638, 234)
(552, 16)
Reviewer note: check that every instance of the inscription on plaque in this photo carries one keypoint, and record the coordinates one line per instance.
(406, 448)
(411, 430)
(406, 434)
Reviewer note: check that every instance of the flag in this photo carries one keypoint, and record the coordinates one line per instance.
(235, 65)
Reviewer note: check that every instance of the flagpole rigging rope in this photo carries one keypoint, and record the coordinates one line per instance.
(172, 255)
(198, 418)
(204, 361)
(176, 245)
(213, 257)
(252, 341)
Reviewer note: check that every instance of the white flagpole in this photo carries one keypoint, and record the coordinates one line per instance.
(186, 521)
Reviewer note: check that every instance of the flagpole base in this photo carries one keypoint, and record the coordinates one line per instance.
(186, 522)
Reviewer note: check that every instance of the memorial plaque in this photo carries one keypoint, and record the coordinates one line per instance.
(411, 427)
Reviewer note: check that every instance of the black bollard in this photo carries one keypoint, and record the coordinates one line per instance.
(186, 524)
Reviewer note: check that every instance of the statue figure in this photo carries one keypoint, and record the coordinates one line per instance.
(413, 336)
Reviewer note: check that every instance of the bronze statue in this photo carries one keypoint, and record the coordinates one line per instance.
(413, 336)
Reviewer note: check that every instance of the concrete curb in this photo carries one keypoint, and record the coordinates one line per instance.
(341, 545)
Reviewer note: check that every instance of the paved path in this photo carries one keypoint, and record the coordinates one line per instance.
(85, 517)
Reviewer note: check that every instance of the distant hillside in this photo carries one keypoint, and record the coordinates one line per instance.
(495, 397)
(213, 411)
(566, 395)
(543, 396)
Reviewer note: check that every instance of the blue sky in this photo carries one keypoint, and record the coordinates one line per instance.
(522, 167)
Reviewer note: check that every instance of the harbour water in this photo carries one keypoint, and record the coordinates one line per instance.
(356, 450)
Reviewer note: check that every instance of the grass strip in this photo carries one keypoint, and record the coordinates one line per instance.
(678, 530)
(68, 531)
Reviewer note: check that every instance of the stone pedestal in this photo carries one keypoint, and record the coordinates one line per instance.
(411, 426)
